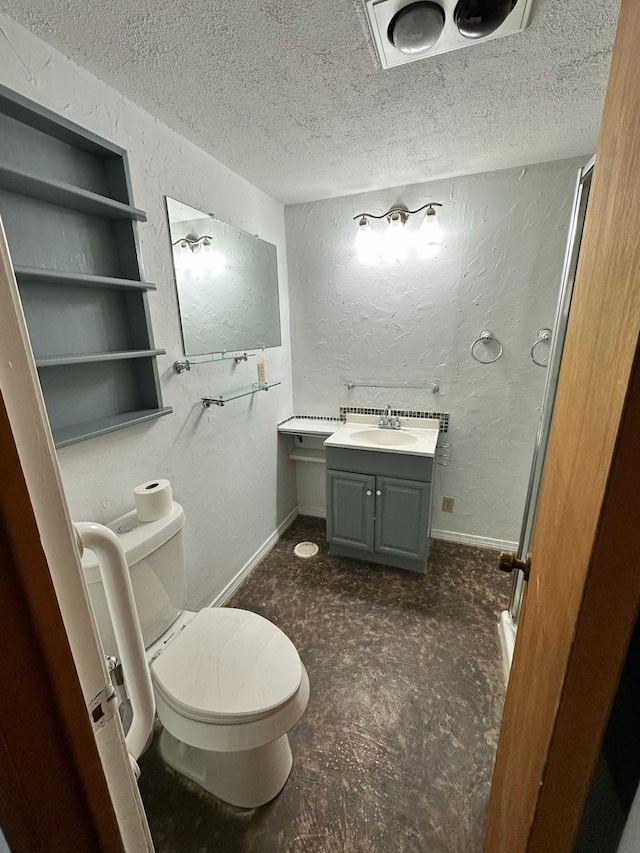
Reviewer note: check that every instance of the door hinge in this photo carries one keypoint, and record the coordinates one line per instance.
(508, 562)
(103, 706)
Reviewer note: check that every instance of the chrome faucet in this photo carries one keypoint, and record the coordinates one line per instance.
(386, 421)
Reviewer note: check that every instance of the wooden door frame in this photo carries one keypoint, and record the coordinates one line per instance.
(583, 597)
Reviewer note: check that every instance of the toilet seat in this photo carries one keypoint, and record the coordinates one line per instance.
(227, 666)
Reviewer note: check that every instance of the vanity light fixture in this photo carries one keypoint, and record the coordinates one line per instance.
(215, 261)
(194, 242)
(394, 243)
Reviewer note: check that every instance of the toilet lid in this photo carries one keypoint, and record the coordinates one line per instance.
(227, 665)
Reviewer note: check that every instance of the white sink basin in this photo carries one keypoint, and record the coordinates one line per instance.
(416, 437)
(383, 437)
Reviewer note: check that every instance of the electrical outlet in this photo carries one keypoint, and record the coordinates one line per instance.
(447, 504)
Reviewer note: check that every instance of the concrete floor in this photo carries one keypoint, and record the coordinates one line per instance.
(395, 750)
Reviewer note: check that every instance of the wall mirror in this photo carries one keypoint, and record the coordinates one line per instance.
(227, 282)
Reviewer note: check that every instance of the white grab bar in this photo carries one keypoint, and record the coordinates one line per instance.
(126, 627)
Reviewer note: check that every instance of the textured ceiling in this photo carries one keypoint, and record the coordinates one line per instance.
(289, 93)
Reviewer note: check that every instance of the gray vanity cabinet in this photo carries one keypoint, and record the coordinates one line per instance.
(402, 517)
(378, 506)
(350, 499)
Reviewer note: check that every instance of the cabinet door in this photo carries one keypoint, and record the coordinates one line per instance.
(402, 517)
(350, 509)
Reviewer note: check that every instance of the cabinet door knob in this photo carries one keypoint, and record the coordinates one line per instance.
(369, 493)
(378, 492)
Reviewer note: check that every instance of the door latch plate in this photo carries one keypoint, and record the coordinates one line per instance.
(102, 707)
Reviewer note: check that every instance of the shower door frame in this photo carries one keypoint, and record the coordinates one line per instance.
(572, 253)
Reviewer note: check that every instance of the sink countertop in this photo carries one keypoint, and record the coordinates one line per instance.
(309, 426)
(353, 435)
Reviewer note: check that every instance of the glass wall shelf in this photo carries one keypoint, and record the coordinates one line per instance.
(185, 363)
(236, 395)
(423, 386)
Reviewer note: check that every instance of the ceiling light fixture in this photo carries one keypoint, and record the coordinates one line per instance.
(416, 27)
(395, 243)
(476, 19)
(408, 31)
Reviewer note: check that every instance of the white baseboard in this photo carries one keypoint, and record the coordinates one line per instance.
(480, 541)
(316, 513)
(507, 633)
(235, 582)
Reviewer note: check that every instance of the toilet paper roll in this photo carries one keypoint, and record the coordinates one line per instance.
(154, 500)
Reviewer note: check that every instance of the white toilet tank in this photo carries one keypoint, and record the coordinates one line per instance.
(155, 555)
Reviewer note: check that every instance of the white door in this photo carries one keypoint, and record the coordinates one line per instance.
(26, 411)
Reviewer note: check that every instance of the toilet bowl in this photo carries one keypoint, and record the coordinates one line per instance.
(228, 684)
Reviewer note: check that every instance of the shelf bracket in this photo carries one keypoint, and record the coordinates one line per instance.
(185, 364)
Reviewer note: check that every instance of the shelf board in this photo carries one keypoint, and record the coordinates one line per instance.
(34, 115)
(309, 426)
(37, 275)
(88, 358)
(91, 429)
(66, 195)
(308, 454)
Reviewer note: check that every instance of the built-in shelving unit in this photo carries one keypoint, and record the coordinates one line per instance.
(66, 205)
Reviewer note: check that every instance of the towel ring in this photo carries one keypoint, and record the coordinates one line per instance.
(544, 335)
(485, 338)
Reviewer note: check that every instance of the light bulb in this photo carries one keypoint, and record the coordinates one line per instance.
(187, 262)
(431, 232)
(215, 261)
(396, 240)
(366, 242)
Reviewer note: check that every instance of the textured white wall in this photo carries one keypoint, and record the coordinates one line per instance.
(499, 269)
(224, 463)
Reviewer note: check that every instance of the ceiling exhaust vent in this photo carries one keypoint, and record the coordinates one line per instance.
(405, 31)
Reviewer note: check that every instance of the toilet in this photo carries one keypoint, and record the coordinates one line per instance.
(228, 684)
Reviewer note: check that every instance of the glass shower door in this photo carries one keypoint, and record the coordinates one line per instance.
(576, 226)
